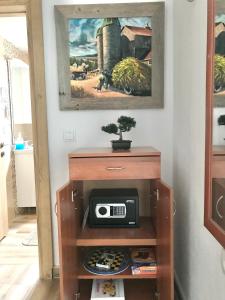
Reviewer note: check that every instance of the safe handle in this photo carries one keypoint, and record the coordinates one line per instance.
(74, 194)
(217, 205)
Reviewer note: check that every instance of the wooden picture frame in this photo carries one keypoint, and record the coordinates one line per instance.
(154, 10)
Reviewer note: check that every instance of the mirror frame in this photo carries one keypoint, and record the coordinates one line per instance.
(212, 226)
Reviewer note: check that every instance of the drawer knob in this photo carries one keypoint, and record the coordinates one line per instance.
(115, 168)
(217, 209)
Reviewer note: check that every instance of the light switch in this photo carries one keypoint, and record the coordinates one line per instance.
(69, 135)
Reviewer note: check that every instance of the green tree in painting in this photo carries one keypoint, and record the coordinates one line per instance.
(91, 64)
(132, 76)
(219, 73)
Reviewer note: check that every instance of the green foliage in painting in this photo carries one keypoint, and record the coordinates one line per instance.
(132, 74)
(91, 64)
(219, 73)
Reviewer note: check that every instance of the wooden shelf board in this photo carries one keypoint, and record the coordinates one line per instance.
(138, 289)
(143, 235)
(127, 274)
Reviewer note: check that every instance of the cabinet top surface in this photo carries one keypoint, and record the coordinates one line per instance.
(108, 152)
(219, 150)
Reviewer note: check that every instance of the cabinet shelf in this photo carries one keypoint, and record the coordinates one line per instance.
(127, 274)
(132, 289)
(144, 235)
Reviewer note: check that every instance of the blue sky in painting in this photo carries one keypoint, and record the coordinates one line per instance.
(220, 18)
(82, 33)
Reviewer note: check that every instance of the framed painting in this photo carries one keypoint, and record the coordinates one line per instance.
(110, 56)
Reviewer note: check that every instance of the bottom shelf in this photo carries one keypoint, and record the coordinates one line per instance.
(134, 289)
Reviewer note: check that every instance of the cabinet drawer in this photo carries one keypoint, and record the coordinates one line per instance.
(108, 168)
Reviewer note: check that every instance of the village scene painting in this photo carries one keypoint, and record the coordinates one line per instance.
(219, 71)
(110, 57)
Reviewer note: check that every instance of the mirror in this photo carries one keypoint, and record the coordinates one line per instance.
(215, 122)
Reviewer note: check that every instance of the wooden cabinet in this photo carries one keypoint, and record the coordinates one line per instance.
(104, 167)
(218, 189)
(218, 162)
(218, 203)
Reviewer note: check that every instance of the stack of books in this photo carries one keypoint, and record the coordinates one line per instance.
(143, 261)
(107, 289)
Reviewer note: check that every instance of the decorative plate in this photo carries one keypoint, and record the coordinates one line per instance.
(103, 261)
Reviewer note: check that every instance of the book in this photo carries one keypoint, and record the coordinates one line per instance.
(144, 261)
(143, 270)
(143, 256)
(107, 289)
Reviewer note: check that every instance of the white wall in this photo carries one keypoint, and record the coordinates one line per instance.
(154, 127)
(17, 37)
(20, 80)
(197, 252)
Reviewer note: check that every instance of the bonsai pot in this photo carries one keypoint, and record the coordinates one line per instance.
(121, 144)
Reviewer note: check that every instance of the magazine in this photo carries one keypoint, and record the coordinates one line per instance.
(107, 289)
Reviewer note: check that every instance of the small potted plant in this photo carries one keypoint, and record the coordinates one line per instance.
(124, 124)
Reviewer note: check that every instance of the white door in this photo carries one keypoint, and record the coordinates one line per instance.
(5, 145)
(3, 196)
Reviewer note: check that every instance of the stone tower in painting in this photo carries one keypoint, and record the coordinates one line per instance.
(109, 44)
(99, 38)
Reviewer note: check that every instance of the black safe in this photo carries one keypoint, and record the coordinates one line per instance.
(114, 208)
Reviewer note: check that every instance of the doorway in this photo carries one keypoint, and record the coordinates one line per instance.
(18, 237)
(33, 12)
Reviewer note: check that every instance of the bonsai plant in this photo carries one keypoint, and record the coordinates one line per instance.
(124, 124)
(221, 120)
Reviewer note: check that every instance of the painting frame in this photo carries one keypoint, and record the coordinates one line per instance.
(155, 10)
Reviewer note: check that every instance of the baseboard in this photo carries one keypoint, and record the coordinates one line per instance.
(55, 272)
(179, 288)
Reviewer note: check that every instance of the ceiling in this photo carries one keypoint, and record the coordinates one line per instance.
(14, 30)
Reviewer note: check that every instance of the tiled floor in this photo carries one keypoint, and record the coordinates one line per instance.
(18, 263)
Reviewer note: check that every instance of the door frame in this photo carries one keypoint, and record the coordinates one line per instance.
(33, 11)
